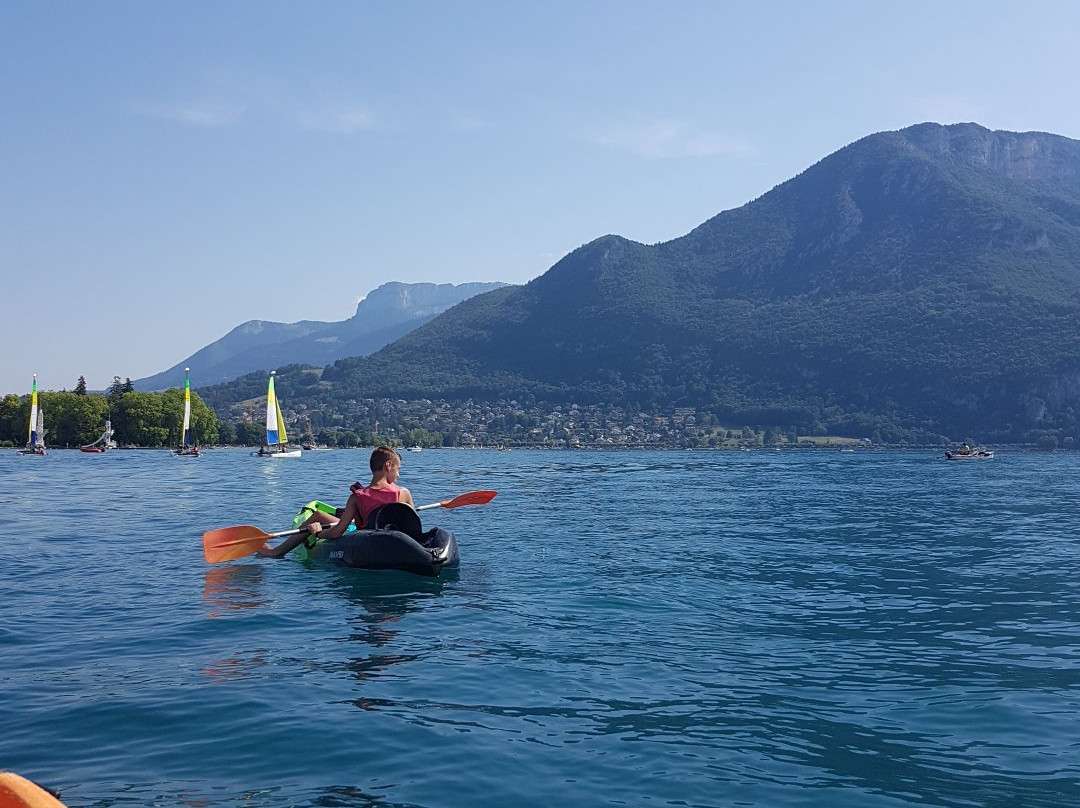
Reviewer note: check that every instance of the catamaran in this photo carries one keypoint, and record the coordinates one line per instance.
(187, 449)
(102, 444)
(35, 443)
(277, 442)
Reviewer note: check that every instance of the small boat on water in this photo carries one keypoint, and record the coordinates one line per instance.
(186, 449)
(35, 443)
(394, 540)
(966, 453)
(277, 442)
(102, 444)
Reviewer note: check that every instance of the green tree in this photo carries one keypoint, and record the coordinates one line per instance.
(138, 418)
(115, 390)
(226, 433)
(250, 433)
(72, 419)
(13, 428)
(1047, 442)
(80, 386)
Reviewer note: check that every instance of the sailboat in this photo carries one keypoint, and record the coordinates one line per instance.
(277, 442)
(103, 443)
(35, 443)
(186, 449)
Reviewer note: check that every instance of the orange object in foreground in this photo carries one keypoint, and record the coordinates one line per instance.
(18, 792)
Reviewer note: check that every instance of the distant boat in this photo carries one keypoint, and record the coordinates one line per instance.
(964, 453)
(102, 444)
(277, 442)
(415, 449)
(187, 449)
(35, 443)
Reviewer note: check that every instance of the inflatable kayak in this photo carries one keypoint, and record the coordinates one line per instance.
(394, 539)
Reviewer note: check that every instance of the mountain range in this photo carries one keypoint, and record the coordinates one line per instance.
(925, 280)
(385, 314)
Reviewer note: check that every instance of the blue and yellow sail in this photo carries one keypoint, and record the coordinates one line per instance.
(187, 408)
(32, 441)
(275, 424)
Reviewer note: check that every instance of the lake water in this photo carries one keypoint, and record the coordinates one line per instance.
(874, 629)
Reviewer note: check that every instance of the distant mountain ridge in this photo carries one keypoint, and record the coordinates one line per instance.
(388, 312)
(923, 281)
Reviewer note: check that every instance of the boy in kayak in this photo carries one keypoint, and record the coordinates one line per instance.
(383, 489)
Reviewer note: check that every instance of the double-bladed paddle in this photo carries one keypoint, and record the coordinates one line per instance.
(229, 543)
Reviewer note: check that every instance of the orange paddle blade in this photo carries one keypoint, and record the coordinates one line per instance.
(471, 498)
(227, 543)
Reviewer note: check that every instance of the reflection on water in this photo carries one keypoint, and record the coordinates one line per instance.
(233, 587)
(237, 666)
(382, 600)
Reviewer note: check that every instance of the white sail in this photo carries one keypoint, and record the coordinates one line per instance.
(272, 415)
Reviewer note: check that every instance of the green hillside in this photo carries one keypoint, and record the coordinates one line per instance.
(926, 279)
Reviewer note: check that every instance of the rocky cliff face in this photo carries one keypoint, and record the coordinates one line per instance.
(1026, 156)
(385, 314)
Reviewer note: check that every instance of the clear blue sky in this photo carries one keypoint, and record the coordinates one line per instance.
(171, 170)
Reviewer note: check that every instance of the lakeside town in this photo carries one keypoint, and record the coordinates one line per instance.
(428, 423)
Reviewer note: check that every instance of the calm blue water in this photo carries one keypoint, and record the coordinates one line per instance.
(626, 629)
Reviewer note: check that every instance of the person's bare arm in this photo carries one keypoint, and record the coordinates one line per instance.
(342, 524)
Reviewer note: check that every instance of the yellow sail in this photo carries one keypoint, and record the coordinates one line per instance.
(280, 424)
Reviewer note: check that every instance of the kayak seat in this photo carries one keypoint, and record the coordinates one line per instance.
(396, 516)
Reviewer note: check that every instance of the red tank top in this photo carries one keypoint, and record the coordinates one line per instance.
(371, 498)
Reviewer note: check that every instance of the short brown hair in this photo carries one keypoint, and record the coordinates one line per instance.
(381, 456)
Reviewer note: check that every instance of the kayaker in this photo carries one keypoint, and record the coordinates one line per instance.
(383, 489)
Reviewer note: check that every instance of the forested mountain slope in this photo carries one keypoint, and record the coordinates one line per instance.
(928, 277)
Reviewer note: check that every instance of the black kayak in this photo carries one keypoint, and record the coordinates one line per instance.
(393, 540)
